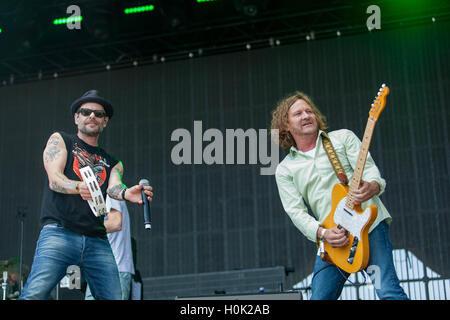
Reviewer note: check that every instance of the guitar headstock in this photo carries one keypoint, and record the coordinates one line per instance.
(379, 103)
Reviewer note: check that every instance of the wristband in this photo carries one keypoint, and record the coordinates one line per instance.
(322, 233)
(321, 250)
(122, 194)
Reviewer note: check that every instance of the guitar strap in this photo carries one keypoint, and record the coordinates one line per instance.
(335, 163)
(340, 173)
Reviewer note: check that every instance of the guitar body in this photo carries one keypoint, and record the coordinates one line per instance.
(357, 222)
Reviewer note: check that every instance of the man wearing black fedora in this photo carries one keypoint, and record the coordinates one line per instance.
(71, 233)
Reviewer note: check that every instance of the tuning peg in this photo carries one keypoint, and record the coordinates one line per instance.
(383, 85)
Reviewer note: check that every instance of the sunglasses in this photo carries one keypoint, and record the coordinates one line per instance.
(87, 112)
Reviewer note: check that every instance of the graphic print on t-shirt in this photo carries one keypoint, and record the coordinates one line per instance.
(82, 158)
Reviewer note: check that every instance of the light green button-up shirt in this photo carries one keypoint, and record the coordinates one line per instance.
(303, 178)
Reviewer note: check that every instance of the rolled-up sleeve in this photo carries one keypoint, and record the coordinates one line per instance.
(371, 172)
(294, 205)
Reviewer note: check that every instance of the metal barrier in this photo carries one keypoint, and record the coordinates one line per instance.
(418, 281)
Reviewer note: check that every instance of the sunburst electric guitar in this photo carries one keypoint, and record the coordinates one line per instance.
(344, 214)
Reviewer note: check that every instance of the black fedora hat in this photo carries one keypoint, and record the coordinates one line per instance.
(92, 96)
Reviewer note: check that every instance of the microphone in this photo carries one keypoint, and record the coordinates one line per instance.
(147, 223)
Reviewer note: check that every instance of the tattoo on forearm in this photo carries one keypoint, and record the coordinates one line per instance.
(57, 188)
(115, 192)
(66, 182)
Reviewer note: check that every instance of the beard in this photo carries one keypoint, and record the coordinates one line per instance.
(91, 132)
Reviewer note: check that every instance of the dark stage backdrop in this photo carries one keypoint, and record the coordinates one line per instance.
(225, 217)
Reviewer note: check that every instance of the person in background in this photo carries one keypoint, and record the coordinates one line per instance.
(117, 224)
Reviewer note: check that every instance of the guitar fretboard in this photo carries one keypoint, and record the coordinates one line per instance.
(361, 162)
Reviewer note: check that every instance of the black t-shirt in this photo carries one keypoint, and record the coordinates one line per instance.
(70, 210)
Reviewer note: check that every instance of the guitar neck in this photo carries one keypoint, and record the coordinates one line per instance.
(361, 162)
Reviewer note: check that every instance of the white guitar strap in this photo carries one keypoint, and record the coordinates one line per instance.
(97, 204)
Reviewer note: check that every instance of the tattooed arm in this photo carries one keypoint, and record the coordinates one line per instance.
(116, 187)
(55, 157)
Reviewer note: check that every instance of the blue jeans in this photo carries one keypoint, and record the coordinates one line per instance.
(328, 280)
(125, 285)
(57, 248)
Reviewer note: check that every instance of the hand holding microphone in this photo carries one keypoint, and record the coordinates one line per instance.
(135, 193)
(142, 194)
(144, 183)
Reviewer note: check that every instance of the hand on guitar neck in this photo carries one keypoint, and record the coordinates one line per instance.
(365, 192)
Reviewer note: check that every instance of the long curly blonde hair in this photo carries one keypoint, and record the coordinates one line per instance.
(280, 118)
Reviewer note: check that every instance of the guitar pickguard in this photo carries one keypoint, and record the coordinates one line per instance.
(351, 220)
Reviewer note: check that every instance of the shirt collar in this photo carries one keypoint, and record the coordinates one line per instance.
(293, 150)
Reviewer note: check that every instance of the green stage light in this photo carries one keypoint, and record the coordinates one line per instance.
(65, 20)
(1, 30)
(200, 1)
(139, 9)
